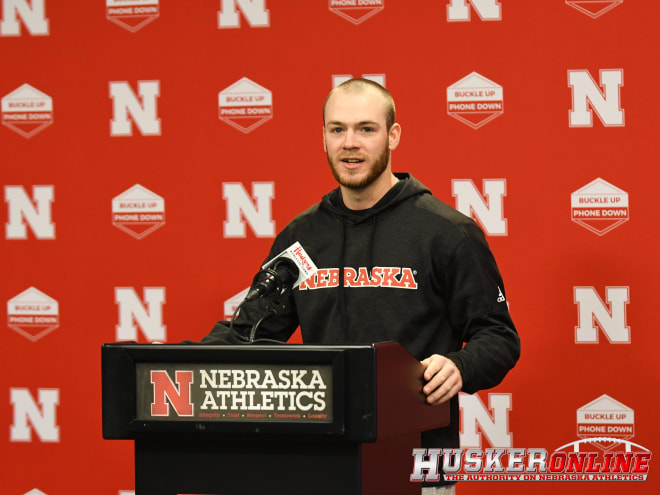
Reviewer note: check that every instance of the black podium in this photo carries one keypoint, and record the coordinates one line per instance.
(272, 420)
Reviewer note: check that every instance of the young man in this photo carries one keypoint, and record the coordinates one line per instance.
(395, 263)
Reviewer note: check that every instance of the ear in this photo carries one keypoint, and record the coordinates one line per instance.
(325, 147)
(394, 136)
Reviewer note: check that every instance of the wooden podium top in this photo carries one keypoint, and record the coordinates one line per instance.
(338, 393)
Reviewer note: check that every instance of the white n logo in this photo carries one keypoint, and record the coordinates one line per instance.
(495, 426)
(254, 11)
(488, 10)
(470, 202)
(33, 17)
(143, 114)
(22, 209)
(340, 78)
(43, 420)
(131, 311)
(240, 205)
(611, 318)
(587, 95)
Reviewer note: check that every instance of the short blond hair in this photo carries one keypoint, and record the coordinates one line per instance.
(357, 84)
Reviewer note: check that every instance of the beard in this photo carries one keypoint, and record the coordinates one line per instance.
(350, 178)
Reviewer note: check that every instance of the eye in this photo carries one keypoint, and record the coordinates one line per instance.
(368, 129)
(336, 130)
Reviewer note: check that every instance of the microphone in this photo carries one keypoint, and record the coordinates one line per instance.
(284, 272)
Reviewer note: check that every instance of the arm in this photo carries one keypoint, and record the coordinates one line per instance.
(479, 313)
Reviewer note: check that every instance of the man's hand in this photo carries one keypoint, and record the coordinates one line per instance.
(443, 379)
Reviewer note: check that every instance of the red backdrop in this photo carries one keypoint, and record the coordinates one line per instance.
(150, 151)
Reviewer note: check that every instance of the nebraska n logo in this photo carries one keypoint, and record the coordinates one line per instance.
(487, 10)
(178, 395)
(35, 212)
(240, 206)
(337, 79)
(587, 96)
(495, 426)
(611, 318)
(33, 15)
(26, 412)
(131, 311)
(470, 202)
(144, 112)
(254, 11)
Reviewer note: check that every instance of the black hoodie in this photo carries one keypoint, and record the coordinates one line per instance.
(415, 271)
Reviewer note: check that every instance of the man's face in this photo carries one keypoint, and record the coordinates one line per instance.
(356, 138)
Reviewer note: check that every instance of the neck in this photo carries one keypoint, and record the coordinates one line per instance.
(361, 199)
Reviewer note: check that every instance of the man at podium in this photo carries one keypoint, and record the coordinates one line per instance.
(394, 264)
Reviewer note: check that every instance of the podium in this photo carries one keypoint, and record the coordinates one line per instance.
(276, 420)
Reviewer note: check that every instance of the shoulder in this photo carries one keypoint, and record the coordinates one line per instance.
(302, 225)
(444, 219)
(304, 218)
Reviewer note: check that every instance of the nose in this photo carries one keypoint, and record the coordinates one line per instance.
(350, 140)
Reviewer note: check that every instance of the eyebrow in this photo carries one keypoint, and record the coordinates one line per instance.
(364, 122)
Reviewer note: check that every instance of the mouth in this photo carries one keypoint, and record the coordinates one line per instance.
(352, 162)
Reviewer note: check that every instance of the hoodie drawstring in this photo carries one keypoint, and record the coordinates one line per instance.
(343, 303)
(342, 292)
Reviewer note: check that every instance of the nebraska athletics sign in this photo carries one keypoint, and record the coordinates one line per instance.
(234, 392)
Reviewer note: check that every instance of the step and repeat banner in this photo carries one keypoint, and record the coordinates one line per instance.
(152, 149)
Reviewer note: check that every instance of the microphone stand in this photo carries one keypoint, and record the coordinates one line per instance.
(270, 312)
